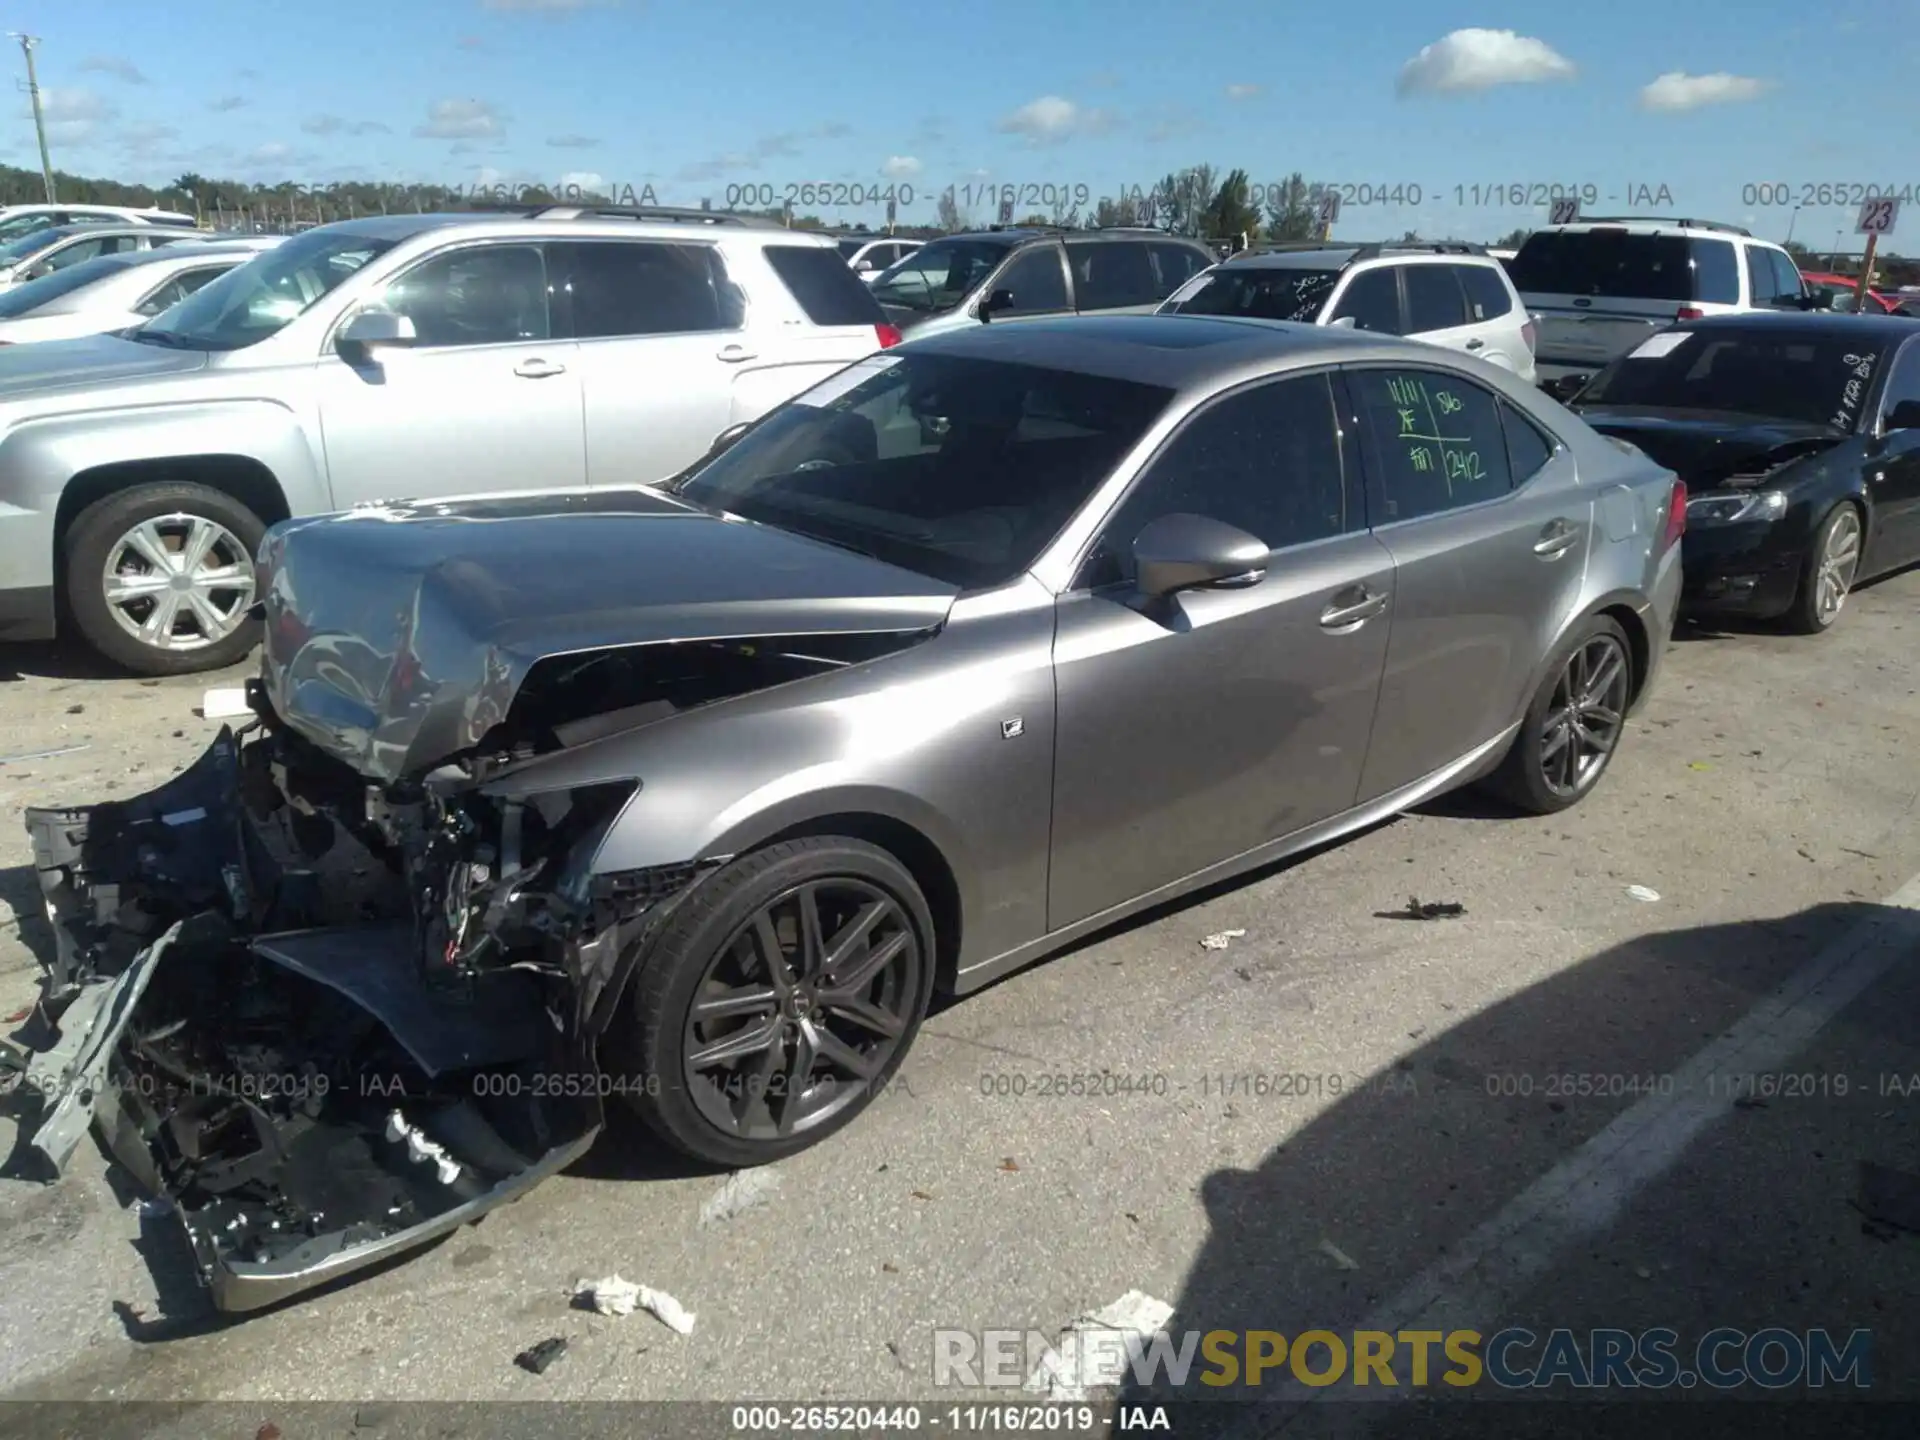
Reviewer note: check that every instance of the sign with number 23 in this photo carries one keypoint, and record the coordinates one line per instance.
(1877, 216)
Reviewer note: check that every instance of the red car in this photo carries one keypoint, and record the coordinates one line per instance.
(1835, 286)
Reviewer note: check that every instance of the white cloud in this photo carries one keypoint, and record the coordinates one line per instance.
(573, 142)
(116, 66)
(1052, 118)
(587, 182)
(460, 120)
(271, 151)
(1475, 59)
(901, 167)
(73, 117)
(1677, 90)
(334, 125)
(1242, 92)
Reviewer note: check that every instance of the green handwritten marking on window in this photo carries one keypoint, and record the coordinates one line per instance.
(1464, 465)
(1406, 422)
(1410, 400)
(1421, 457)
(1447, 401)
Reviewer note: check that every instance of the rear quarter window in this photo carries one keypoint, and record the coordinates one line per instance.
(827, 291)
(1488, 297)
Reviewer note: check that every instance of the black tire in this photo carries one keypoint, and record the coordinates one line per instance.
(1523, 779)
(1808, 616)
(97, 532)
(649, 1048)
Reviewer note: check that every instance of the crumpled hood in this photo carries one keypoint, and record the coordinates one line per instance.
(51, 366)
(1705, 447)
(397, 636)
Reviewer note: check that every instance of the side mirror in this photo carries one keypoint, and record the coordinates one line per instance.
(863, 266)
(1186, 552)
(1904, 416)
(371, 331)
(727, 438)
(1345, 322)
(999, 300)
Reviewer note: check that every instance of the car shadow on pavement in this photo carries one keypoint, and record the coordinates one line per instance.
(54, 660)
(1399, 1173)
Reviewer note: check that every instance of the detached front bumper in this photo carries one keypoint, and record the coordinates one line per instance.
(306, 1098)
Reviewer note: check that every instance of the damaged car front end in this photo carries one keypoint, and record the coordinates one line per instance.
(338, 988)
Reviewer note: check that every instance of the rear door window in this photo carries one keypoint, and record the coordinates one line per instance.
(1618, 264)
(625, 287)
(1434, 301)
(1036, 281)
(1487, 295)
(1786, 275)
(1111, 274)
(1761, 286)
(825, 289)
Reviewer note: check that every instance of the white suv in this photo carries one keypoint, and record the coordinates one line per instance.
(1445, 294)
(1598, 287)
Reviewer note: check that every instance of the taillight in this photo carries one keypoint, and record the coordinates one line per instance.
(888, 336)
(1527, 333)
(1691, 312)
(1676, 515)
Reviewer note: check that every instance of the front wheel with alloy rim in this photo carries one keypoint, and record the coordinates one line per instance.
(1827, 577)
(1574, 724)
(159, 577)
(777, 1001)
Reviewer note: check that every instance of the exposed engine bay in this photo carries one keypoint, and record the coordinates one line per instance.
(331, 1019)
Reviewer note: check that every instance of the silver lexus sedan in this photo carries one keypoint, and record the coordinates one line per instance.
(694, 795)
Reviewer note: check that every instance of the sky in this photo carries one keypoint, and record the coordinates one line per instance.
(1428, 114)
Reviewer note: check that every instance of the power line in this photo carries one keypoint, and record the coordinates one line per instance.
(27, 42)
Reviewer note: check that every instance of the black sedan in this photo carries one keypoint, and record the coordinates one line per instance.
(1798, 437)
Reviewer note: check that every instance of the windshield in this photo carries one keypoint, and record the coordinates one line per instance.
(961, 469)
(1258, 293)
(257, 299)
(938, 276)
(851, 248)
(14, 226)
(33, 242)
(1810, 379)
(25, 299)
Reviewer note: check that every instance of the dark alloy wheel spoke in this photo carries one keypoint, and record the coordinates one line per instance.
(802, 1008)
(1585, 716)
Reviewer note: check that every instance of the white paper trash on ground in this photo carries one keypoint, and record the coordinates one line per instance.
(225, 703)
(668, 1310)
(1220, 939)
(610, 1295)
(1092, 1349)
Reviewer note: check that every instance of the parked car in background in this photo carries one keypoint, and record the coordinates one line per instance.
(112, 292)
(1842, 294)
(1444, 294)
(870, 255)
(383, 358)
(727, 778)
(1599, 287)
(53, 248)
(17, 220)
(1799, 439)
(1023, 274)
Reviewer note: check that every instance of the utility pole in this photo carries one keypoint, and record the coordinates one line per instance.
(27, 42)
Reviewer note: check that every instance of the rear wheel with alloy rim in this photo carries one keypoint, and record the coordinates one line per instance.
(159, 578)
(778, 1000)
(1827, 578)
(1574, 725)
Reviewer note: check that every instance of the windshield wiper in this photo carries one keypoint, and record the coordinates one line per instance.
(157, 337)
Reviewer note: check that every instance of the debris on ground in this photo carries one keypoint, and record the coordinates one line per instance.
(1339, 1257)
(42, 754)
(1009, 1164)
(1418, 909)
(889, 1267)
(1643, 893)
(609, 1295)
(1889, 1197)
(536, 1358)
(1220, 939)
(268, 1431)
(920, 1195)
(225, 703)
(893, 1349)
(667, 1310)
(1067, 1368)
(743, 1190)
(76, 709)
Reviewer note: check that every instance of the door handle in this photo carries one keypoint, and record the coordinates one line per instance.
(1354, 611)
(734, 354)
(538, 369)
(1558, 538)
(1476, 344)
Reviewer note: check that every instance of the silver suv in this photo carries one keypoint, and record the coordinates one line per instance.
(392, 357)
(1442, 294)
(1600, 286)
(52, 248)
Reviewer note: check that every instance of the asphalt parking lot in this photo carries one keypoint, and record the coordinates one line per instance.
(1767, 794)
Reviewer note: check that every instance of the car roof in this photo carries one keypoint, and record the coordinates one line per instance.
(1336, 257)
(1021, 234)
(1881, 325)
(566, 221)
(1175, 352)
(1654, 225)
(168, 254)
